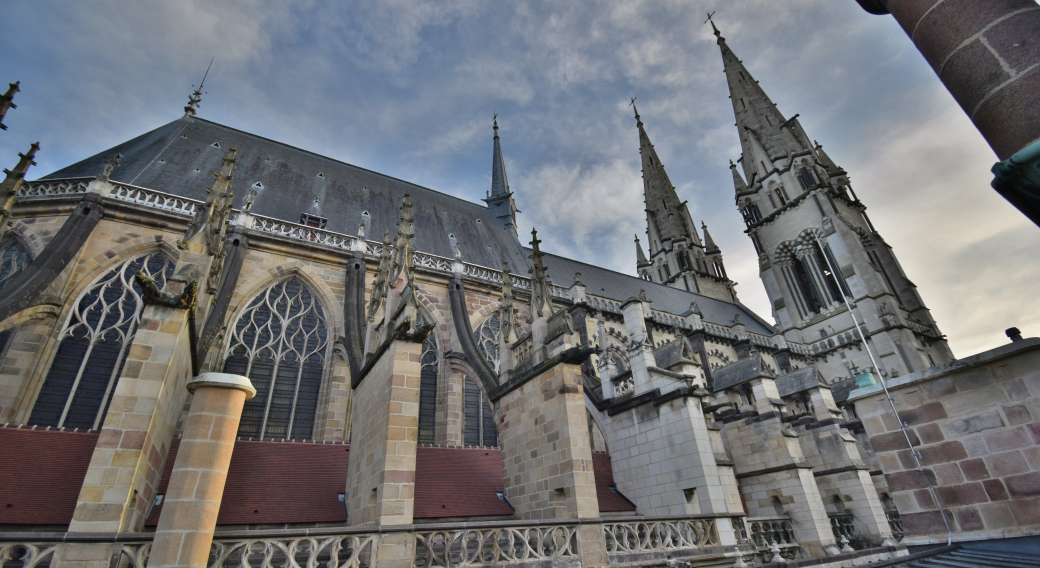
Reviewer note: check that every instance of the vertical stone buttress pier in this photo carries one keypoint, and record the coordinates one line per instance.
(842, 476)
(385, 427)
(547, 454)
(189, 514)
(127, 464)
(771, 466)
(666, 457)
(986, 53)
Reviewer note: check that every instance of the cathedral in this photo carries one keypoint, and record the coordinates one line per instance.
(221, 350)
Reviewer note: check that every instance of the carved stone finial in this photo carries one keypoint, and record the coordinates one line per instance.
(642, 296)
(153, 296)
(111, 163)
(379, 285)
(250, 199)
(539, 282)
(694, 309)
(6, 102)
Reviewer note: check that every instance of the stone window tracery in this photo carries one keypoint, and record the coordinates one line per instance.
(280, 342)
(428, 389)
(14, 257)
(487, 336)
(94, 343)
(479, 427)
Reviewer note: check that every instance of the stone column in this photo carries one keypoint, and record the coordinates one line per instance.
(189, 515)
(986, 54)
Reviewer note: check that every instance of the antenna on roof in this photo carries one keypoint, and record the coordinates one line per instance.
(196, 97)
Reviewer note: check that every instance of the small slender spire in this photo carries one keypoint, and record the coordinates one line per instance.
(709, 243)
(826, 161)
(738, 182)
(6, 102)
(663, 208)
(539, 282)
(500, 200)
(13, 181)
(195, 100)
(640, 257)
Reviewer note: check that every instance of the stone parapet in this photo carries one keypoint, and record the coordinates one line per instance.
(976, 425)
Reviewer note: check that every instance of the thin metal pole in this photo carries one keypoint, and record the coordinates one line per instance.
(881, 380)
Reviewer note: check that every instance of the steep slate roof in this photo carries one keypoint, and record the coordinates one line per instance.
(620, 287)
(166, 158)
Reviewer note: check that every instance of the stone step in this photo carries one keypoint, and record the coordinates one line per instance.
(1008, 558)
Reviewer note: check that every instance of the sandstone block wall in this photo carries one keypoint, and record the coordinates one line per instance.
(546, 451)
(976, 423)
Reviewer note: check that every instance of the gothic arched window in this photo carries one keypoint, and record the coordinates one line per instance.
(480, 421)
(14, 257)
(280, 342)
(90, 358)
(428, 391)
(487, 336)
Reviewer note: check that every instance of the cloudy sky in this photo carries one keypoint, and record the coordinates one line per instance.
(409, 89)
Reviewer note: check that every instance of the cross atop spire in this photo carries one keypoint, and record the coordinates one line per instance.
(718, 34)
(195, 100)
(633, 105)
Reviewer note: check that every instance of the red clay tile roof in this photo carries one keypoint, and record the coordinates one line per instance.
(268, 482)
(41, 473)
(609, 502)
(458, 482)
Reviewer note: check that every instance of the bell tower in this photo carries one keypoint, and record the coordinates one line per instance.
(817, 246)
(678, 257)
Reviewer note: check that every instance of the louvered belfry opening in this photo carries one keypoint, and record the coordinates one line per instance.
(280, 342)
(78, 388)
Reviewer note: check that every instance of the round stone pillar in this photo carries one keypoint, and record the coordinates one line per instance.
(189, 514)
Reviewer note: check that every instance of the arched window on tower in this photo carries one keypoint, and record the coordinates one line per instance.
(428, 390)
(751, 214)
(479, 427)
(281, 343)
(95, 340)
(805, 178)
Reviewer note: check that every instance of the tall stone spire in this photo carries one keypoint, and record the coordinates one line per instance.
(765, 135)
(667, 217)
(6, 102)
(500, 201)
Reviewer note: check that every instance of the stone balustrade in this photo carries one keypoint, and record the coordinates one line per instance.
(440, 545)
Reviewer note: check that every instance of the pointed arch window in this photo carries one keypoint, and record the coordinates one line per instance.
(480, 427)
(78, 388)
(14, 257)
(428, 390)
(487, 337)
(281, 343)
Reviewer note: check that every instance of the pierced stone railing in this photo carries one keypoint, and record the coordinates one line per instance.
(302, 233)
(153, 199)
(718, 330)
(131, 554)
(657, 536)
(668, 319)
(604, 304)
(764, 531)
(895, 523)
(624, 385)
(842, 526)
(759, 339)
(494, 546)
(341, 551)
(523, 350)
(432, 261)
(54, 187)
